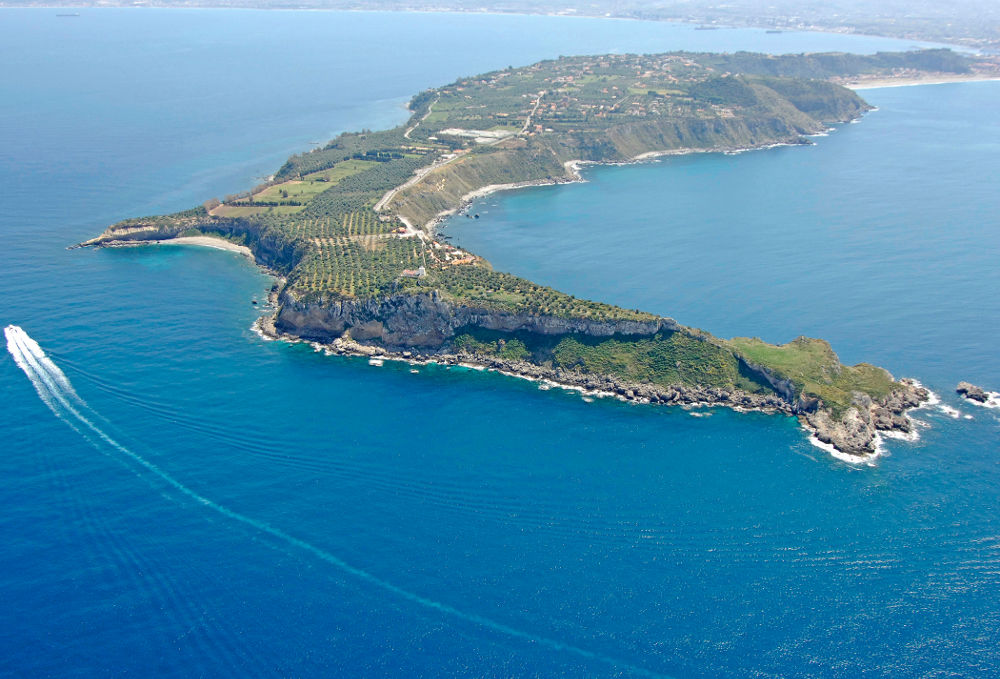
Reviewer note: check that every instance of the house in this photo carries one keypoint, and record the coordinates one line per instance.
(418, 273)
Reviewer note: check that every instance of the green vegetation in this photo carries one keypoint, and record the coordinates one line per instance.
(303, 190)
(446, 187)
(350, 221)
(511, 349)
(837, 64)
(814, 369)
(482, 287)
(353, 256)
(664, 359)
(363, 189)
(249, 210)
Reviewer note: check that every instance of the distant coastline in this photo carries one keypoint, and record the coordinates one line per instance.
(879, 83)
(969, 35)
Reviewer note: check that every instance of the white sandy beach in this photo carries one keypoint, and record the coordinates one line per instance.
(205, 242)
(876, 83)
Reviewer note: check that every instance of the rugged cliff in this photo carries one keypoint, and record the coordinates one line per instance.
(428, 321)
(346, 225)
(770, 111)
(426, 327)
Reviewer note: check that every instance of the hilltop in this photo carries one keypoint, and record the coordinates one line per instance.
(350, 227)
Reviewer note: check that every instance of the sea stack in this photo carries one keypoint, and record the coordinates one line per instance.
(972, 392)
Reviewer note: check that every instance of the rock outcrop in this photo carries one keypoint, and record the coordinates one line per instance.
(420, 327)
(429, 321)
(972, 392)
(856, 431)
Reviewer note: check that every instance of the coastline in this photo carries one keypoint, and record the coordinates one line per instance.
(690, 22)
(208, 242)
(858, 442)
(852, 428)
(887, 419)
(574, 176)
(879, 83)
(857, 439)
(214, 242)
(430, 228)
(607, 387)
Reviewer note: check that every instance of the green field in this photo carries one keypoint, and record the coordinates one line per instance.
(317, 224)
(247, 211)
(299, 191)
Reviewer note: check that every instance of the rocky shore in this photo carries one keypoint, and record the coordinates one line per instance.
(978, 396)
(857, 434)
(859, 429)
(418, 328)
(972, 392)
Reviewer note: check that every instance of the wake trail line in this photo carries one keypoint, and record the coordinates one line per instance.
(56, 391)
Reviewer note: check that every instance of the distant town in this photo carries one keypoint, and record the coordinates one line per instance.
(969, 23)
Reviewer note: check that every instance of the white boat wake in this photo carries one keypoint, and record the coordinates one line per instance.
(56, 391)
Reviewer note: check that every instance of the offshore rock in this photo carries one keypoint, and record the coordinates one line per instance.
(972, 392)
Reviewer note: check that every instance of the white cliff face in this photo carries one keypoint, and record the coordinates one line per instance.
(428, 321)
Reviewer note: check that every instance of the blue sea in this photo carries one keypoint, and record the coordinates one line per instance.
(182, 498)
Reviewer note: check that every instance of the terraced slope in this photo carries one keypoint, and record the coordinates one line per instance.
(350, 226)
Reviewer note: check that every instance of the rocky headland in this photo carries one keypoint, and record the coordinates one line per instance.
(420, 330)
(349, 229)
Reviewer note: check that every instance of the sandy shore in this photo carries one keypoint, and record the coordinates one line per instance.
(653, 155)
(205, 242)
(911, 82)
(465, 201)
(573, 176)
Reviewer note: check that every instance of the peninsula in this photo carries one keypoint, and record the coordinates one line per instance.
(350, 230)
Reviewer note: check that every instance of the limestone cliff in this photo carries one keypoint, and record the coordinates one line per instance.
(428, 321)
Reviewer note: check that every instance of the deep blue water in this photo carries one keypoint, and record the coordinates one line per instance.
(264, 510)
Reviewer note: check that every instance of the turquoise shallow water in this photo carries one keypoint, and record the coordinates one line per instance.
(314, 516)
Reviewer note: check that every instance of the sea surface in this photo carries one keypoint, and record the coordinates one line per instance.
(181, 498)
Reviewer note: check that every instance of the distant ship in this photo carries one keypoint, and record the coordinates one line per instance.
(772, 30)
(67, 15)
(706, 28)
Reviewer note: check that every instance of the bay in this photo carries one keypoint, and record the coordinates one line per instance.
(455, 522)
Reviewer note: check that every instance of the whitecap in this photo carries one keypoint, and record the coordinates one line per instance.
(933, 399)
(868, 460)
(949, 411)
(992, 400)
(259, 331)
(911, 436)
